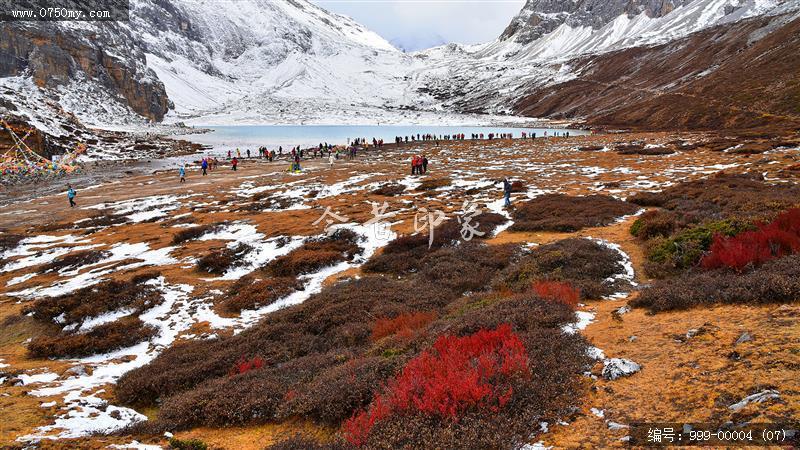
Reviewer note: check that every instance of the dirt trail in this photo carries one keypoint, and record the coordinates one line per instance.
(695, 375)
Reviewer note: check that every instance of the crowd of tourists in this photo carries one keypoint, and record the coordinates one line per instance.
(297, 154)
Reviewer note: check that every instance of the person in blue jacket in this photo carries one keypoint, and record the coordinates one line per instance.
(71, 196)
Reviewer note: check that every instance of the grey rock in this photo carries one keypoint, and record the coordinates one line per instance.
(614, 426)
(761, 397)
(745, 337)
(615, 368)
(74, 371)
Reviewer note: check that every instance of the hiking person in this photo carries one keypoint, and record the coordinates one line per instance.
(330, 159)
(229, 154)
(248, 153)
(238, 153)
(414, 165)
(506, 192)
(234, 163)
(204, 166)
(71, 196)
(424, 164)
(182, 173)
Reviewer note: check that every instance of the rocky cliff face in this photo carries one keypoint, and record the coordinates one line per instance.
(539, 17)
(54, 55)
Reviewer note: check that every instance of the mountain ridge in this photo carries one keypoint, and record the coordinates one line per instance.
(290, 61)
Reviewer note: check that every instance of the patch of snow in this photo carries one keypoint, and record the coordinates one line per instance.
(584, 319)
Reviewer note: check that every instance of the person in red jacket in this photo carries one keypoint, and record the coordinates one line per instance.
(234, 163)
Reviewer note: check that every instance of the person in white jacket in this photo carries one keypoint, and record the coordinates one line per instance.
(331, 159)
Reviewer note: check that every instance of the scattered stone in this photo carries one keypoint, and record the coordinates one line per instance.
(632, 338)
(598, 412)
(705, 329)
(614, 426)
(76, 371)
(745, 337)
(761, 397)
(617, 313)
(614, 368)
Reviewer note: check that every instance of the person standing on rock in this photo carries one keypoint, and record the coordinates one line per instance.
(424, 164)
(182, 173)
(204, 166)
(331, 158)
(506, 192)
(234, 163)
(71, 196)
(248, 153)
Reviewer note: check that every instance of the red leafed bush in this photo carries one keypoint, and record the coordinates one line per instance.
(557, 291)
(457, 375)
(779, 238)
(245, 365)
(403, 325)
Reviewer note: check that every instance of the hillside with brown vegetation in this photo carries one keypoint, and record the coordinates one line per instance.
(741, 75)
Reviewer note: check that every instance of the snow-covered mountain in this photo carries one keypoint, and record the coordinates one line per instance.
(289, 61)
(245, 60)
(256, 58)
(538, 47)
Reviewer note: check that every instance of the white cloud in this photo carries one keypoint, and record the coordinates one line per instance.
(418, 24)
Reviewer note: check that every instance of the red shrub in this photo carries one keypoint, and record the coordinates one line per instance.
(779, 238)
(458, 374)
(403, 325)
(557, 291)
(246, 365)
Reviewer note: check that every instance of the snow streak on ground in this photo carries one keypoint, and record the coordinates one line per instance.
(85, 412)
(370, 242)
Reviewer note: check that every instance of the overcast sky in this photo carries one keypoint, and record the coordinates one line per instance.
(419, 24)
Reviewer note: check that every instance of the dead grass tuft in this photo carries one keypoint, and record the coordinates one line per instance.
(219, 261)
(390, 190)
(315, 254)
(104, 338)
(94, 300)
(76, 260)
(776, 281)
(562, 213)
(192, 233)
(587, 265)
(250, 292)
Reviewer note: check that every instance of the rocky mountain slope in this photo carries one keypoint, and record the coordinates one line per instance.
(246, 59)
(732, 76)
(545, 44)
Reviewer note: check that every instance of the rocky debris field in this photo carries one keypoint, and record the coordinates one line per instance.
(258, 307)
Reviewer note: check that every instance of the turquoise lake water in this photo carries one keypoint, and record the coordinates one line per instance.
(223, 138)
